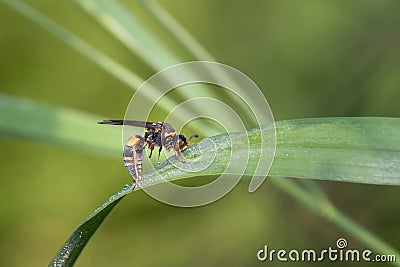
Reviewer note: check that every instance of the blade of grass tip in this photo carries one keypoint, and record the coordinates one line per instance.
(74, 129)
(328, 211)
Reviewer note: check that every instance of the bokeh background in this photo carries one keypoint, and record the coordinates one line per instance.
(311, 58)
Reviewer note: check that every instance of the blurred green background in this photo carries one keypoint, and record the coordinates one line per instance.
(311, 58)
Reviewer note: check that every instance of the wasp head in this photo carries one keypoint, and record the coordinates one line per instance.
(182, 141)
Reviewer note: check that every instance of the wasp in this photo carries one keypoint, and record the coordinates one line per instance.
(161, 134)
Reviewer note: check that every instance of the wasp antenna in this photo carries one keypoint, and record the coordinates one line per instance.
(193, 136)
(112, 122)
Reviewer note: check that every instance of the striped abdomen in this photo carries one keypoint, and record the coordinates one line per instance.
(133, 156)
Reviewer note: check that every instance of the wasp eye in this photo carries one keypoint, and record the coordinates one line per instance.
(182, 138)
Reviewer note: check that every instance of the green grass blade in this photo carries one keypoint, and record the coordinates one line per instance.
(373, 144)
(179, 33)
(130, 31)
(72, 248)
(74, 129)
(363, 150)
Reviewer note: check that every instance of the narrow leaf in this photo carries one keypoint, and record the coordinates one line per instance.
(131, 31)
(363, 150)
(45, 123)
(179, 33)
(72, 248)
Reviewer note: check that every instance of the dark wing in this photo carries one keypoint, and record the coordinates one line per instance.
(143, 124)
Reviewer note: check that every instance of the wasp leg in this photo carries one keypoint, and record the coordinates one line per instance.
(159, 154)
(135, 162)
(151, 146)
(178, 155)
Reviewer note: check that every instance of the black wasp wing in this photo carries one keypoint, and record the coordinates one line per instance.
(143, 124)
